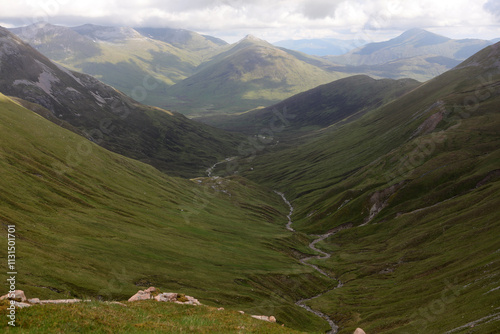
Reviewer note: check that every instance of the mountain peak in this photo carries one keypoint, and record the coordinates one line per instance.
(251, 38)
(422, 33)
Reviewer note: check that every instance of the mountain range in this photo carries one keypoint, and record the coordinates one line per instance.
(200, 75)
(364, 201)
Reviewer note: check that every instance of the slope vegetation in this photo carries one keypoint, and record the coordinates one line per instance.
(108, 225)
(418, 179)
(340, 101)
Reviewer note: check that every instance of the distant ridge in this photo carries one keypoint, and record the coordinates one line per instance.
(412, 43)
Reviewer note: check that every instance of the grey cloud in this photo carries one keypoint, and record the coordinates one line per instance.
(319, 9)
(493, 6)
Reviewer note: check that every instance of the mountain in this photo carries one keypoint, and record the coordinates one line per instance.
(167, 140)
(321, 46)
(415, 186)
(340, 101)
(110, 225)
(119, 56)
(185, 39)
(412, 43)
(249, 73)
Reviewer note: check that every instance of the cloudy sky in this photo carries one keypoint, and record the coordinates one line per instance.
(273, 20)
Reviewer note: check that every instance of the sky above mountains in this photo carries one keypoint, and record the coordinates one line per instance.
(370, 20)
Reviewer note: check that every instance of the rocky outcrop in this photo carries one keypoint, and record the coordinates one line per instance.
(140, 295)
(22, 302)
(18, 295)
(359, 331)
(172, 297)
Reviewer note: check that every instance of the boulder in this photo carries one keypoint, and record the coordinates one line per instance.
(140, 295)
(18, 295)
(192, 301)
(167, 297)
(359, 331)
(22, 305)
(264, 318)
(151, 289)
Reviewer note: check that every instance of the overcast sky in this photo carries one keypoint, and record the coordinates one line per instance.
(272, 20)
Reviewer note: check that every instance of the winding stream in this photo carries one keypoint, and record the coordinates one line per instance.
(322, 256)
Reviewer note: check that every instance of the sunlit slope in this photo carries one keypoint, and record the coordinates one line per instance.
(91, 223)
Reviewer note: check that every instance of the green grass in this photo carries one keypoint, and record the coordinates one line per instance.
(97, 224)
(137, 317)
(440, 192)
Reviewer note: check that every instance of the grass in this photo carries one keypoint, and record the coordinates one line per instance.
(137, 317)
(436, 192)
(102, 226)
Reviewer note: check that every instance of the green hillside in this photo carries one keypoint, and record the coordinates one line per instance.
(340, 101)
(110, 225)
(419, 180)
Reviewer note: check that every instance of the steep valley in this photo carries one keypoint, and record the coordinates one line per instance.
(359, 203)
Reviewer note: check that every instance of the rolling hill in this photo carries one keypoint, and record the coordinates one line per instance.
(248, 74)
(167, 140)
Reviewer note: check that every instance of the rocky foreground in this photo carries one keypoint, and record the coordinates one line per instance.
(18, 298)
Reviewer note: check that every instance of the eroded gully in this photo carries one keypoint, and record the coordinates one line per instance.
(322, 256)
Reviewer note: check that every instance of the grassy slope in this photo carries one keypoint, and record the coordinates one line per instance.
(139, 317)
(91, 223)
(336, 102)
(439, 223)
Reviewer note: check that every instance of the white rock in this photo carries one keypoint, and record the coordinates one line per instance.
(18, 294)
(60, 301)
(262, 317)
(22, 305)
(167, 297)
(359, 331)
(140, 295)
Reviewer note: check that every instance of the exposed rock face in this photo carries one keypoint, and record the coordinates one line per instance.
(359, 331)
(18, 295)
